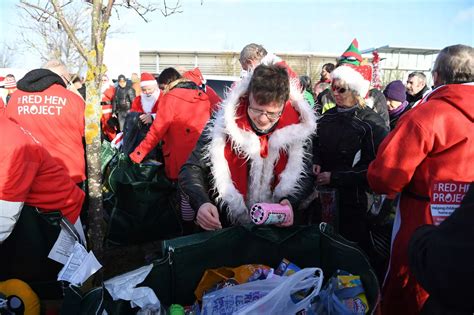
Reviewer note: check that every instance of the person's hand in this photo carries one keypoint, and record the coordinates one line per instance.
(316, 169)
(285, 202)
(208, 217)
(323, 178)
(146, 119)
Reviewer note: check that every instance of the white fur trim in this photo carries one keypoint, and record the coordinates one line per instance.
(354, 80)
(147, 83)
(291, 139)
(270, 59)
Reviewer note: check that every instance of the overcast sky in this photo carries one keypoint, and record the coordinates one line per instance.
(287, 25)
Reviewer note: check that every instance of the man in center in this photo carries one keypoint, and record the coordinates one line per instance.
(257, 148)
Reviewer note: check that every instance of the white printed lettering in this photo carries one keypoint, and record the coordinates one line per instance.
(48, 99)
(463, 188)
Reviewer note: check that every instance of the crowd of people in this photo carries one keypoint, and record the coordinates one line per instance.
(274, 138)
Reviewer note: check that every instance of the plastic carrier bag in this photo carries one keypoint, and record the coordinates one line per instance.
(270, 296)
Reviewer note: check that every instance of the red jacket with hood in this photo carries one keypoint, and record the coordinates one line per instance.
(434, 142)
(55, 117)
(181, 116)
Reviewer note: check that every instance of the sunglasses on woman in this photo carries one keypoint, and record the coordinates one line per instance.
(339, 89)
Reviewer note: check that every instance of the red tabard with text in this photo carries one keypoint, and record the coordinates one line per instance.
(446, 196)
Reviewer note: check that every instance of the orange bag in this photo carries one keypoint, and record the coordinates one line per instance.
(212, 277)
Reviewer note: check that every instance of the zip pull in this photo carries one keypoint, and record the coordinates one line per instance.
(170, 255)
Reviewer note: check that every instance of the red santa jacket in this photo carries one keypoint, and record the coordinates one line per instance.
(29, 174)
(434, 142)
(181, 117)
(55, 116)
(137, 105)
(106, 105)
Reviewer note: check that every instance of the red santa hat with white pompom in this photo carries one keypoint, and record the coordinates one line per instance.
(147, 79)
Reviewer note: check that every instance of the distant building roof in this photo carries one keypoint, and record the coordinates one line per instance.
(403, 50)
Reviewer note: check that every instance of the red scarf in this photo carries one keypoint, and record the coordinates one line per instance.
(238, 164)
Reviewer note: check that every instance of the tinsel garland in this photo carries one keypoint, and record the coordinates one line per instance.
(376, 81)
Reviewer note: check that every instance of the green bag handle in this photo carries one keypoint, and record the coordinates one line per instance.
(276, 234)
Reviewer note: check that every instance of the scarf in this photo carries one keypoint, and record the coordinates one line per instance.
(398, 111)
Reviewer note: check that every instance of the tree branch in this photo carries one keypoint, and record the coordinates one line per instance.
(67, 28)
(173, 10)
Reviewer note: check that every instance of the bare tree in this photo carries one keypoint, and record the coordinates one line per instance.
(46, 37)
(92, 52)
(6, 56)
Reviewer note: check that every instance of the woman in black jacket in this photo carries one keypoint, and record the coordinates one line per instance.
(347, 139)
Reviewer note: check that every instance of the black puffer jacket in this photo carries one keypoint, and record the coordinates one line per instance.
(345, 144)
(123, 98)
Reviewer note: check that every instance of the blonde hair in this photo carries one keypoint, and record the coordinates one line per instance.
(360, 100)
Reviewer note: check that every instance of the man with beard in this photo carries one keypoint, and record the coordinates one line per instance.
(142, 113)
(147, 102)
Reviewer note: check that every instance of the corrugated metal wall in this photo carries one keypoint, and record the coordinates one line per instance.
(224, 63)
(393, 66)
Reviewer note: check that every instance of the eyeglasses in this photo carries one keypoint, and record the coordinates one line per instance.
(270, 115)
(339, 89)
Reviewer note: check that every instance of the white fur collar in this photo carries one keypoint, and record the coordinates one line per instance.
(291, 139)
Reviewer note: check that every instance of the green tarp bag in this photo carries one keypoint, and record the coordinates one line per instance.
(144, 206)
(107, 153)
(175, 277)
(24, 254)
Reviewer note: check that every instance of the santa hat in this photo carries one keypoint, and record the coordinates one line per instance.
(195, 76)
(351, 55)
(147, 79)
(10, 83)
(357, 78)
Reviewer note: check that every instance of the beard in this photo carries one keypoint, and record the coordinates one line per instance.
(148, 101)
(104, 87)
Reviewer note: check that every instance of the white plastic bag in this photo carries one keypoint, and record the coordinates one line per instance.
(270, 296)
(229, 300)
(279, 300)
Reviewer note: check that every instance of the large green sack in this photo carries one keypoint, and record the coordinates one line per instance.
(144, 207)
(107, 153)
(24, 254)
(175, 277)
